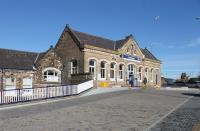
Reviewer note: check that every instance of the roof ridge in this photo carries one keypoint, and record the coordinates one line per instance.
(19, 51)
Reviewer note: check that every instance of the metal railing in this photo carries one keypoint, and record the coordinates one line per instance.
(29, 94)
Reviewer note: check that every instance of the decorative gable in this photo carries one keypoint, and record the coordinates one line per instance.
(130, 50)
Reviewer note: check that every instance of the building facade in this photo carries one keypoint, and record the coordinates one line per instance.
(111, 63)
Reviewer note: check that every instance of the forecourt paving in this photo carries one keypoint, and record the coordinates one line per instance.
(124, 110)
(185, 118)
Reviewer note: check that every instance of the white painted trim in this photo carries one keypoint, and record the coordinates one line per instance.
(152, 74)
(104, 60)
(123, 63)
(113, 62)
(112, 79)
(141, 73)
(92, 58)
(105, 73)
(51, 68)
(131, 63)
(95, 68)
(120, 79)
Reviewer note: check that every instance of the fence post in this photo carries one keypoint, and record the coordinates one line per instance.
(47, 92)
(1, 96)
(18, 95)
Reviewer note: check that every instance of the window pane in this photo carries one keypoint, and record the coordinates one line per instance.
(120, 67)
(91, 63)
(102, 65)
(112, 74)
(50, 72)
(112, 65)
(74, 64)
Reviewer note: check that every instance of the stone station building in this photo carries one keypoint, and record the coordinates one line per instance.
(111, 63)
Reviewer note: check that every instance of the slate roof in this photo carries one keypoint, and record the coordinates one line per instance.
(95, 40)
(104, 43)
(148, 54)
(13, 59)
(120, 43)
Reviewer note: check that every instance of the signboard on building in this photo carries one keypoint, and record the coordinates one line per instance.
(131, 58)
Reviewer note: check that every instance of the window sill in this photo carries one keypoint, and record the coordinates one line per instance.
(112, 79)
(102, 79)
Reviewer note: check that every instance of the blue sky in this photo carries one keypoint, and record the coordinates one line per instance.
(166, 27)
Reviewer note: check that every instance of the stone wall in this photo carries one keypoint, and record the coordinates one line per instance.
(49, 60)
(79, 78)
(16, 74)
(99, 56)
(68, 50)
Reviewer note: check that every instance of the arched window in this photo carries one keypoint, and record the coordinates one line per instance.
(130, 70)
(74, 67)
(152, 75)
(51, 74)
(92, 67)
(140, 74)
(121, 74)
(157, 74)
(112, 71)
(103, 70)
(146, 73)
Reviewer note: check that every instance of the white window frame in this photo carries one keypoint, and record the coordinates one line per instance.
(157, 77)
(103, 70)
(51, 78)
(92, 67)
(130, 70)
(121, 72)
(140, 74)
(152, 73)
(27, 85)
(146, 73)
(10, 83)
(74, 69)
(112, 69)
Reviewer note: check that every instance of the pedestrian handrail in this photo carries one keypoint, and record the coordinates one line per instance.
(29, 94)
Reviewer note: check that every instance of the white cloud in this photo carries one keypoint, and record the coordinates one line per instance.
(190, 44)
(194, 43)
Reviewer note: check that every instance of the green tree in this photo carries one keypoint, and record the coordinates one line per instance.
(184, 77)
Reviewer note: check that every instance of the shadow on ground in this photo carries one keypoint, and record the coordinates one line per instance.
(192, 94)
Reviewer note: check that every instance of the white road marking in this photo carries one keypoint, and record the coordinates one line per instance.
(163, 117)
